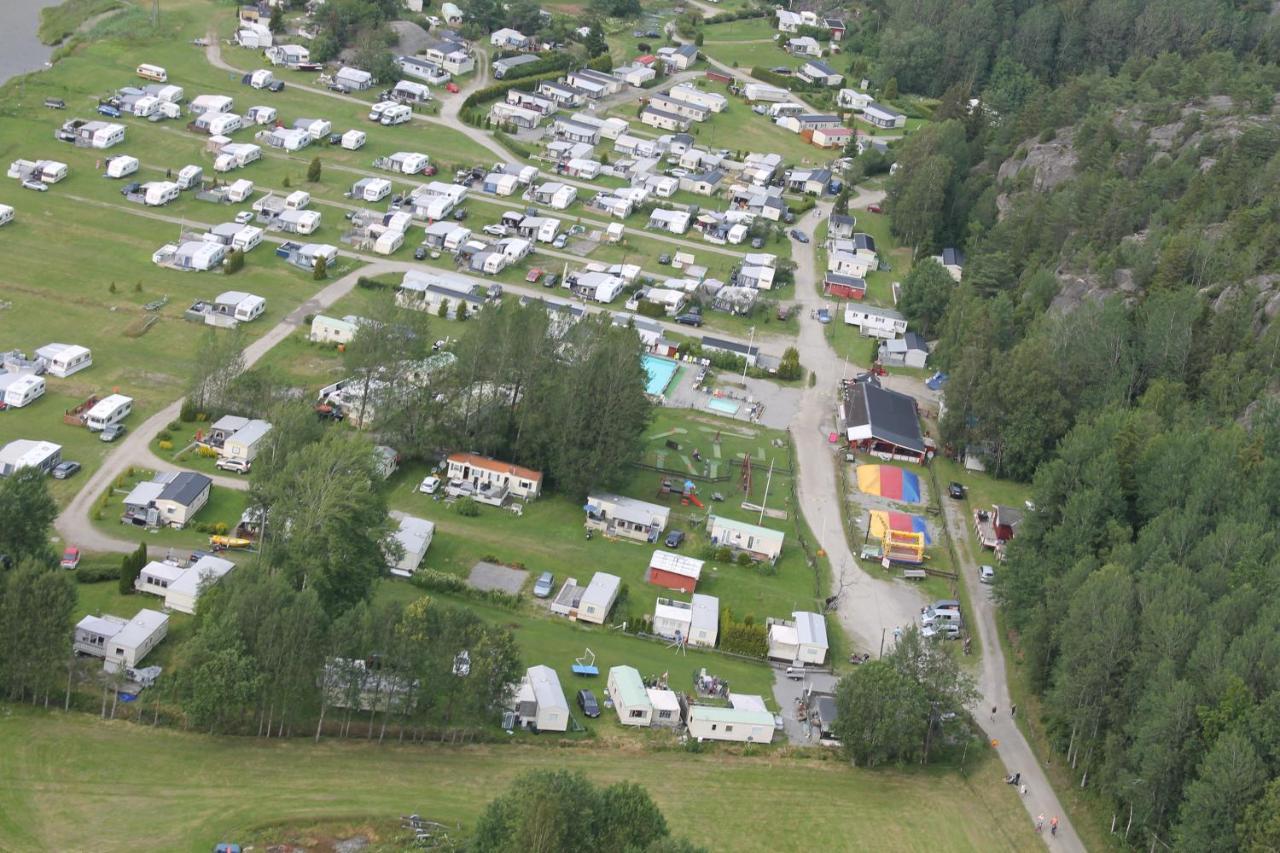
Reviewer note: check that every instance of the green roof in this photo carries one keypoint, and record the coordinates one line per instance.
(630, 685)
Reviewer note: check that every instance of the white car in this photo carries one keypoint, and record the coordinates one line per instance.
(429, 485)
(244, 217)
(986, 574)
(495, 230)
(238, 466)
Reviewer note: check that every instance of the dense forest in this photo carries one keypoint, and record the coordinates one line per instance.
(1112, 172)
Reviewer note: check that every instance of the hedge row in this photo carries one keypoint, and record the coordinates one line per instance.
(783, 81)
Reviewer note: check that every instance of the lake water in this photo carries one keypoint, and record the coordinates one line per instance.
(20, 50)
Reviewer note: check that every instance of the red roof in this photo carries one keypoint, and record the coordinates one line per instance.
(496, 465)
(647, 59)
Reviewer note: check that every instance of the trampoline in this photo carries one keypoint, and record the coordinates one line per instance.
(883, 521)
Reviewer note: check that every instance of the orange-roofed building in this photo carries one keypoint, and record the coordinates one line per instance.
(494, 475)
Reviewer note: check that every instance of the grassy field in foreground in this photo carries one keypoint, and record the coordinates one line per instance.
(74, 783)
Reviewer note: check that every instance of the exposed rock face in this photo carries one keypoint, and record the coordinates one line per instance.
(1050, 162)
(1266, 299)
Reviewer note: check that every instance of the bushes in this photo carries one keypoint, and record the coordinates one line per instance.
(784, 81)
(372, 283)
(467, 508)
(96, 572)
(434, 581)
(726, 17)
(164, 444)
(650, 309)
(187, 413)
(743, 638)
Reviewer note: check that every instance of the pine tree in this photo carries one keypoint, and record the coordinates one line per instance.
(313, 170)
(321, 270)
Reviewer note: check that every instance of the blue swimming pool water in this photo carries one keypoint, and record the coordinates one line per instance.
(660, 371)
(718, 404)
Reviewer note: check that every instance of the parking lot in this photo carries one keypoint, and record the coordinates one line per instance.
(491, 576)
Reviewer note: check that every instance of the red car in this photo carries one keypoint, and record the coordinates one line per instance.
(874, 208)
(451, 87)
(70, 558)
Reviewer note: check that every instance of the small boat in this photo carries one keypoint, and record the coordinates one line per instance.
(229, 542)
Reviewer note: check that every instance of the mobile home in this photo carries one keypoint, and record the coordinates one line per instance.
(20, 389)
(26, 453)
(540, 703)
(121, 166)
(154, 73)
(630, 699)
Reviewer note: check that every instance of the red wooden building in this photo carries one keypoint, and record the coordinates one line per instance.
(674, 571)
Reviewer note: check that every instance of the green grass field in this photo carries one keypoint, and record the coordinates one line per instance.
(73, 783)
(225, 505)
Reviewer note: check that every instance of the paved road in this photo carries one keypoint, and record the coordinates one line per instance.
(74, 525)
(1013, 748)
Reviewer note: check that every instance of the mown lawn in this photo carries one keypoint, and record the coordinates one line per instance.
(73, 782)
(225, 505)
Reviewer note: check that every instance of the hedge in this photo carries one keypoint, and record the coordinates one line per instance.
(783, 81)
(434, 581)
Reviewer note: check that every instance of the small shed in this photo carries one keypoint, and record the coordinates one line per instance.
(802, 639)
(674, 571)
(666, 707)
(630, 699)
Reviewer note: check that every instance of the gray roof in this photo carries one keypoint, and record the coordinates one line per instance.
(729, 346)
(890, 415)
(185, 487)
(822, 67)
(952, 257)
(842, 219)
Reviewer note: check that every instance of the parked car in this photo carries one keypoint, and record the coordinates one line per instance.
(244, 217)
(689, 319)
(452, 88)
(587, 702)
(338, 87)
(460, 214)
(678, 173)
(824, 316)
(55, 103)
(276, 86)
(560, 241)
(986, 574)
(335, 139)
(544, 584)
(533, 275)
(955, 490)
(675, 539)
(71, 558)
(551, 280)
(65, 469)
(429, 485)
(38, 186)
(664, 259)
(874, 208)
(494, 230)
(493, 292)
(799, 236)
(109, 111)
(236, 466)
(112, 432)
(757, 242)
(945, 630)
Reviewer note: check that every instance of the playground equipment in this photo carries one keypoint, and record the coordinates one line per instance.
(902, 546)
(687, 492)
(586, 665)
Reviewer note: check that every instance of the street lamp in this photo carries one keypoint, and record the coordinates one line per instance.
(746, 361)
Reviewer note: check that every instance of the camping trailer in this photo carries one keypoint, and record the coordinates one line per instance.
(18, 390)
(190, 176)
(65, 359)
(6, 214)
(154, 73)
(110, 410)
(121, 166)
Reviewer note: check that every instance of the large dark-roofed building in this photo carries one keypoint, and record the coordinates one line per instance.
(881, 421)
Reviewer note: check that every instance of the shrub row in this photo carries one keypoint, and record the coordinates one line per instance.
(434, 581)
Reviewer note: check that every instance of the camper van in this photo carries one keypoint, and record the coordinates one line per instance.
(121, 166)
(353, 139)
(190, 176)
(21, 390)
(395, 114)
(238, 191)
(376, 111)
(154, 73)
(108, 411)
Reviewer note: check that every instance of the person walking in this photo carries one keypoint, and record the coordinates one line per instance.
(1040, 822)
(1024, 789)
(993, 713)
(1053, 826)
(1013, 710)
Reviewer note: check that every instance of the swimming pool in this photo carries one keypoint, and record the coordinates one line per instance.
(719, 404)
(660, 371)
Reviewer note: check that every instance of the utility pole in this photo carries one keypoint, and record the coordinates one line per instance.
(764, 500)
(155, 12)
(746, 361)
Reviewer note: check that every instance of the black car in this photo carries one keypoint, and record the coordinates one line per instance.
(664, 259)
(675, 539)
(956, 491)
(689, 319)
(130, 188)
(551, 280)
(335, 139)
(65, 469)
(587, 702)
(460, 214)
(797, 234)
(420, 254)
